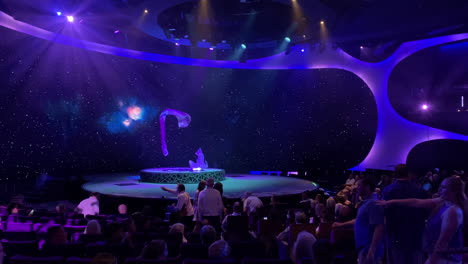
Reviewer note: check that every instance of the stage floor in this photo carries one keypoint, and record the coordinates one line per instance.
(235, 185)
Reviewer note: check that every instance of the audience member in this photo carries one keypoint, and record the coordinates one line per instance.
(444, 229)
(104, 258)
(299, 218)
(122, 212)
(350, 180)
(89, 206)
(404, 226)
(156, 249)
(184, 205)
(201, 186)
(237, 211)
(252, 204)
(207, 235)
(303, 247)
(210, 205)
(55, 235)
(219, 249)
(368, 225)
(178, 228)
(93, 228)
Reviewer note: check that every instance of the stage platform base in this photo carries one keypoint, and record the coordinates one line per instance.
(235, 185)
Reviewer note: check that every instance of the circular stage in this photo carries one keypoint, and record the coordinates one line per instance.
(180, 175)
(235, 185)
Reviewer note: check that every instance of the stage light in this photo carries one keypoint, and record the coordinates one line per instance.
(287, 39)
(59, 13)
(424, 107)
(117, 31)
(302, 50)
(243, 46)
(361, 47)
(196, 169)
(322, 22)
(146, 11)
(304, 36)
(126, 122)
(177, 44)
(70, 19)
(211, 48)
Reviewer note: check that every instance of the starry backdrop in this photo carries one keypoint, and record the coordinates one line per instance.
(66, 111)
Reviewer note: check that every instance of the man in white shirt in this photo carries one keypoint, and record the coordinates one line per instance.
(184, 205)
(210, 205)
(89, 206)
(251, 203)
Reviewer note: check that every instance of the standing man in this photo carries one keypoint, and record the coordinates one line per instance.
(404, 226)
(368, 225)
(89, 206)
(210, 205)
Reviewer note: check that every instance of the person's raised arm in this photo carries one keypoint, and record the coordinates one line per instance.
(169, 190)
(418, 203)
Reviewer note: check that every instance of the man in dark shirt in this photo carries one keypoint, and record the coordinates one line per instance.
(404, 226)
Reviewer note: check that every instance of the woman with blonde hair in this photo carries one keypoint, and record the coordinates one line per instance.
(444, 228)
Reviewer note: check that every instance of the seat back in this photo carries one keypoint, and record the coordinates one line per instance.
(36, 260)
(196, 251)
(76, 260)
(19, 227)
(19, 236)
(209, 261)
(152, 261)
(295, 229)
(25, 248)
(251, 249)
(237, 224)
(265, 261)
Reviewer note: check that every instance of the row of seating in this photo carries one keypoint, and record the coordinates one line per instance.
(75, 260)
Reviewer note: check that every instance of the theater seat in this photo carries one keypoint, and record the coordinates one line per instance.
(25, 248)
(19, 236)
(266, 261)
(152, 261)
(253, 249)
(76, 260)
(36, 260)
(190, 250)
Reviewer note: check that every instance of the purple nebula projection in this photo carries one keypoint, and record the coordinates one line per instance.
(395, 137)
(183, 120)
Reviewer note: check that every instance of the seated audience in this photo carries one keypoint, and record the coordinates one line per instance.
(104, 258)
(178, 228)
(350, 180)
(299, 218)
(207, 235)
(93, 228)
(237, 211)
(303, 247)
(219, 250)
(55, 235)
(122, 212)
(156, 249)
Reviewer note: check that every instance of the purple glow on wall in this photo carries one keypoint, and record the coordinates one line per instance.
(395, 137)
(183, 120)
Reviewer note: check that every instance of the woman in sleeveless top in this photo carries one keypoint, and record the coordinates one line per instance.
(444, 228)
